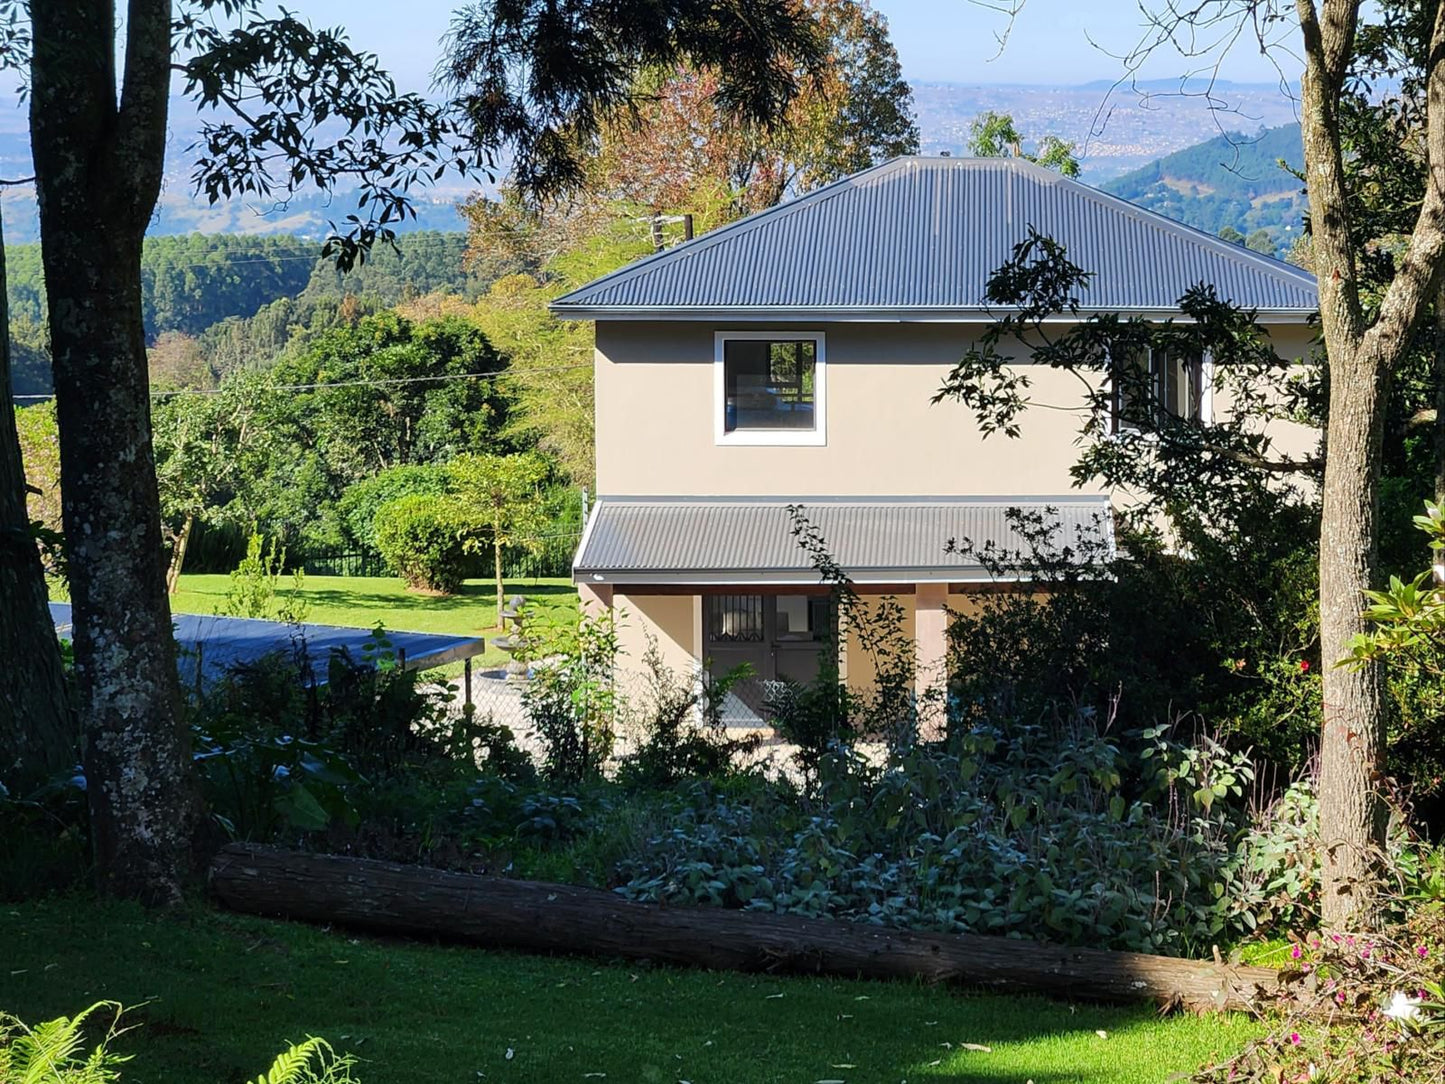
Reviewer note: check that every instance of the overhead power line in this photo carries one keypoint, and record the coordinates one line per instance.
(368, 383)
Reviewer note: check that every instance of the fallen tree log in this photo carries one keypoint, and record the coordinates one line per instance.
(530, 916)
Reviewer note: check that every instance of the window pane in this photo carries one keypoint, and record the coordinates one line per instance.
(735, 619)
(1152, 384)
(768, 385)
(804, 617)
(1134, 381)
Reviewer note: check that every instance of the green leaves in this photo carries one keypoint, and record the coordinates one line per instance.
(1407, 619)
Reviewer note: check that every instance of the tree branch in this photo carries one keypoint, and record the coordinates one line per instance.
(137, 153)
(1413, 287)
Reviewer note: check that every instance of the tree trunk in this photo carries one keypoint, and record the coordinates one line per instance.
(1439, 378)
(98, 163)
(37, 730)
(497, 569)
(1353, 813)
(502, 913)
(178, 554)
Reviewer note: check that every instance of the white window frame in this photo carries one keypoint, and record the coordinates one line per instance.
(815, 437)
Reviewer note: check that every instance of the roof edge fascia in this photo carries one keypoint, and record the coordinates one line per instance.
(876, 315)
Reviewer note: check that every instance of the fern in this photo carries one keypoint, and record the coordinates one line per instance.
(51, 1052)
(54, 1053)
(311, 1062)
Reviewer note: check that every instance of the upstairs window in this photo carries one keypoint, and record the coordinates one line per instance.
(770, 388)
(1154, 385)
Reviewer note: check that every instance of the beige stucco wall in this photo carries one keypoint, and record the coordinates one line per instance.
(860, 670)
(674, 621)
(656, 414)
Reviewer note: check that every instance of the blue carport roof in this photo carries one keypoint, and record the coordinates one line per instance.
(220, 643)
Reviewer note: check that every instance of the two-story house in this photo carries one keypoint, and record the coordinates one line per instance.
(791, 357)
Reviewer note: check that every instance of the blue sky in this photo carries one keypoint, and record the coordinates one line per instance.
(936, 39)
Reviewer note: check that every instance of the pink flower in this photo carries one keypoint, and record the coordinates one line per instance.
(1304, 666)
(1295, 952)
(1294, 1038)
(1422, 952)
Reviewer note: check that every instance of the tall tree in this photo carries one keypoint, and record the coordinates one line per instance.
(98, 137)
(293, 107)
(1367, 334)
(682, 149)
(546, 81)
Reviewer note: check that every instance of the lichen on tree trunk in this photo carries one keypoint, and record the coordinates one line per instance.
(98, 163)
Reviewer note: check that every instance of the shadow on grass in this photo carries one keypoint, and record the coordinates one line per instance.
(470, 596)
(225, 992)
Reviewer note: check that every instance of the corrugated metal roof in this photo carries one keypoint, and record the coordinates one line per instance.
(747, 539)
(923, 235)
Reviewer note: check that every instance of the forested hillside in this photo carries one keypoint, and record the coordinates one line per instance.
(209, 287)
(1232, 182)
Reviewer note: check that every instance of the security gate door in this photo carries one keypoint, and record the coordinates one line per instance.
(781, 637)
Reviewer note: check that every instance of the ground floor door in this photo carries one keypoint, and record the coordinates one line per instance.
(781, 637)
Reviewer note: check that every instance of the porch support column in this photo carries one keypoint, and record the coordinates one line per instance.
(930, 630)
(596, 597)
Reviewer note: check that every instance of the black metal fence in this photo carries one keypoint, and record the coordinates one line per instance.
(554, 559)
(344, 564)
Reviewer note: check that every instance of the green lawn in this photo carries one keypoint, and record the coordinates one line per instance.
(220, 994)
(363, 601)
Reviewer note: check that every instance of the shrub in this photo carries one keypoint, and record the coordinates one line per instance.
(1062, 831)
(282, 755)
(255, 586)
(681, 724)
(1221, 626)
(1374, 1006)
(361, 502)
(571, 698)
(423, 540)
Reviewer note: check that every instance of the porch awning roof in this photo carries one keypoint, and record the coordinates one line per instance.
(753, 540)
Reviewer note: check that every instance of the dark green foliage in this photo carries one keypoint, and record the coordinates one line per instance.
(541, 82)
(190, 281)
(1068, 830)
(29, 357)
(423, 540)
(399, 393)
(571, 698)
(1226, 635)
(44, 839)
(426, 407)
(361, 502)
(683, 735)
(248, 297)
(424, 262)
(1234, 181)
(367, 752)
